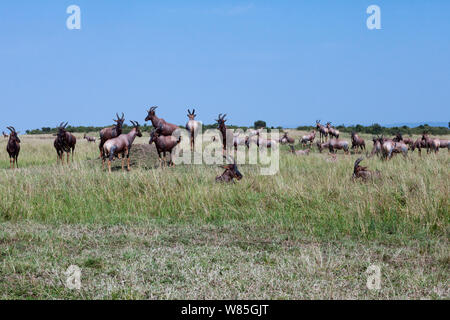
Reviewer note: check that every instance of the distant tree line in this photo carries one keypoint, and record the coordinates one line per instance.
(374, 129)
(377, 129)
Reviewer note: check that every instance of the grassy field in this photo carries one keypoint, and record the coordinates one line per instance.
(307, 232)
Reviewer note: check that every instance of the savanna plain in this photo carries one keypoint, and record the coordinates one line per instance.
(307, 232)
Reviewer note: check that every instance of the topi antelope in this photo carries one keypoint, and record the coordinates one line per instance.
(299, 152)
(231, 172)
(166, 129)
(4, 135)
(163, 144)
(223, 130)
(376, 147)
(285, 139)
(88, 138)
(332, 131)
(444, 143)
(238, 140)
(358, 142)
(252, 140)
(419, 144)
(308, 138)
(432, 144)
(399, 138)
(266, 143)
(13, 148)
(64, 142)
(121, 145)
(111, 132)
(333, 145)
(192, 126)
(390, 147)
(363, 172)
(323, 131)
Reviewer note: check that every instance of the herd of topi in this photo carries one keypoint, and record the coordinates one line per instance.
(114, 143)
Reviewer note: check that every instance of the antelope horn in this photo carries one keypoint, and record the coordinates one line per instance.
(193, 111)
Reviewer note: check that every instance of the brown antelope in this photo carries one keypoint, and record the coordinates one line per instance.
(223, 130)
(192, 126)
(363, 172)
(444, 143)
(267, 143)
(238, 140)
(432, 144)
(390, 147)
(308, 138)
(285, 139)
(419, 144)
(323, 131)
(111, 132)
(299, 152)
(333, 145)
(163, 144)
(399, 138)
(231, 172)
(88, 138)
(4, 135)
(252, 140)
(121, 145)
(376, 147)
(64, 142)
(167, 128)
(13, 148)
(358, 142)
(332, 131)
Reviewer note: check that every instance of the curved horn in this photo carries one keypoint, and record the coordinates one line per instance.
(357, 163)
(193, 111)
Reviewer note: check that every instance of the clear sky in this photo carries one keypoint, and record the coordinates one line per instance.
(285, 62)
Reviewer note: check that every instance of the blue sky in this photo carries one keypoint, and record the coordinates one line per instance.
(285, 62)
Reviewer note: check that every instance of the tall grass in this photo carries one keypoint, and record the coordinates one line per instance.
(309, 194)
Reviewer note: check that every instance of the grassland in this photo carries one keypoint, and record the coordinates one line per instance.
(307, 232)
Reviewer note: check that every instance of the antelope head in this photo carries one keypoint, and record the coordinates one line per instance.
(221, 121)
(120, 120)
(13, 134)
(151, 113)
(155, 134)
(62, 131)
(318, 125)
(137, 127)
(191, 115)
